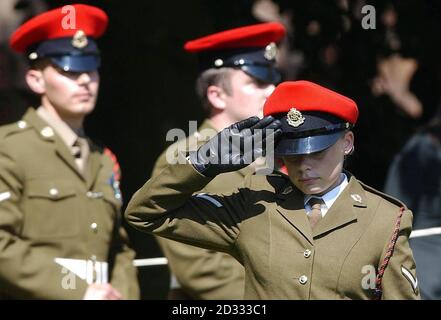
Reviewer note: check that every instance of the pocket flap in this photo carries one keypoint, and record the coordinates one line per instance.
(50, 189)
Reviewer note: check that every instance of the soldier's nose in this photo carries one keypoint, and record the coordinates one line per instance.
(84, 78)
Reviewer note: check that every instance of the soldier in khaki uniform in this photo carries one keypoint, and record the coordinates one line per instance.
(60, 221)
(318, 233)
(230, 91)
(223, 88)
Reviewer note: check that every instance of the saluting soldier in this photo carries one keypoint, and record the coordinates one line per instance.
(316, 233)
(60, 221)
(237, 73)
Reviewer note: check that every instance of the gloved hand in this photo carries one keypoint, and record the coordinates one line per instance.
(235, 147)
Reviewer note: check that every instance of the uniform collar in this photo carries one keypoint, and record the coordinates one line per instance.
(348, 206)
(36, 121)
(205, 131)
(46, 133)
(332, 195)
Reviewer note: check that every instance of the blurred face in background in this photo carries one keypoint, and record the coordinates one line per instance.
(247, 96)
(69, 95)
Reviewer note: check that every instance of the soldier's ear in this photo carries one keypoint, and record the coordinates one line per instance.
(216, 96)
(35, 81)
(348, 142)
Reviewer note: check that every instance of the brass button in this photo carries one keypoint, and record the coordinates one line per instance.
(307, 253)
(303, 279)
(22, 124)
(94, 226)
(53, 192)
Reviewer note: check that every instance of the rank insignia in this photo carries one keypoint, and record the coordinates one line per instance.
(295, 118)
(218, 63)
(79, 39)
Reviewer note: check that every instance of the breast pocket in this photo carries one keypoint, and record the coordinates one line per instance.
(51, 209)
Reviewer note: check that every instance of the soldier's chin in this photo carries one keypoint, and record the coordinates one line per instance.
(84, 108)
(309, 189)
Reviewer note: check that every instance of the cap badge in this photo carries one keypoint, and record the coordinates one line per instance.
(79, 39)
(270, 51)
(295, 118)
(356, 197)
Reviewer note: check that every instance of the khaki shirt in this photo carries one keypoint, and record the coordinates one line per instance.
(60, 228)
(201, 273)
(264, 225)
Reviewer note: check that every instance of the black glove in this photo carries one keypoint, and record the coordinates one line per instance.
(235, 147)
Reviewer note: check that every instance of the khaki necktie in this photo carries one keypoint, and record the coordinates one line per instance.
(80, 150)
(316, 211)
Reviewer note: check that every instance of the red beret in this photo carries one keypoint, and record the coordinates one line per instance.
(257, 35)
(49, 25)
(308, 96)
(312, 117)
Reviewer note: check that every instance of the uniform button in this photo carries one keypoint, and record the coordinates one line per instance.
(53, 192)
(303, 279)
(218, 62)
(307, 253)
(22, 124)
(93, 257)
(94, 227)
(33, 56)
(89, 194)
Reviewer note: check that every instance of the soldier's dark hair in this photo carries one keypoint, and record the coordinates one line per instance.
(213, 77)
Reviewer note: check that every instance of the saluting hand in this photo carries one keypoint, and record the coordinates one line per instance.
(236, 147)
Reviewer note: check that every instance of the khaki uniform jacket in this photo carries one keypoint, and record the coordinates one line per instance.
(204, 274)
(265, 226)
(49, 210)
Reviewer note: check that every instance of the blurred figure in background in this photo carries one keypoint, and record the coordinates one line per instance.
(237, 73)
(415, 178)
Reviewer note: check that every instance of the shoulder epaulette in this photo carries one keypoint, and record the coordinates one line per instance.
(13, 128)
(383, 195)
